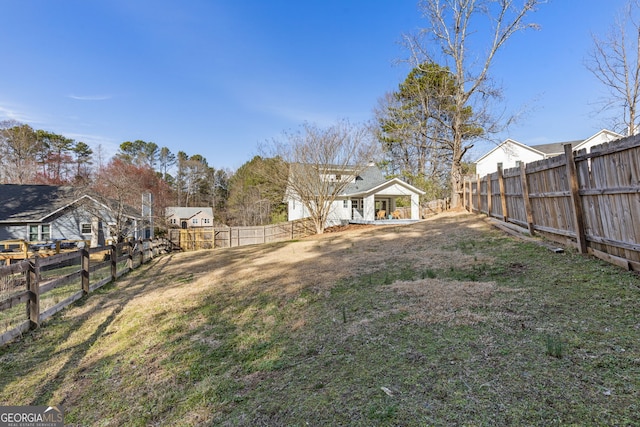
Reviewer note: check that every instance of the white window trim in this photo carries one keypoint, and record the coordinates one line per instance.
(40, 234)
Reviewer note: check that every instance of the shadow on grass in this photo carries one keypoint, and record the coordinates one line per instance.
(53, 340)
(224, 338)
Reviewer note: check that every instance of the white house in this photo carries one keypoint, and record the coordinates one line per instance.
(189, 217)
(366, 197)
(511, 153)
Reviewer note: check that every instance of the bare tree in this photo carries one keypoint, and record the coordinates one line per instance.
(449, 40)
(615, 62)
(321, 162)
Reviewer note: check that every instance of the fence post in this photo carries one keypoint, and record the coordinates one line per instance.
(578, 218)
(464, 192)
(503, 195)
(130, 255)
(33, 286)
(525, 197)
(489, 195)
(84, 253)
(114, 262)
(479, 195)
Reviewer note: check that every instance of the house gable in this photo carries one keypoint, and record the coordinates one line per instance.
(601, 137)
(393, 187)
(508, 153)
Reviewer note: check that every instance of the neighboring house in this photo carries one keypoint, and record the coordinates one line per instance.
(178, 217)
(511, 153)
(41, 213)
(367, 196)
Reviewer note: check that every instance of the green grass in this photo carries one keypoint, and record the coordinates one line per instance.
(555, 340)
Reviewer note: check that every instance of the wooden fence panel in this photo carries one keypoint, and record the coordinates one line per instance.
(611, 199)
(225, 237)
(483, 195)
(494, 204)
(516, 211)
(60, 274)
(593, 198)
(550, 196)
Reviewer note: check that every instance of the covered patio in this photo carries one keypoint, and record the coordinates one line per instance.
(378, 205)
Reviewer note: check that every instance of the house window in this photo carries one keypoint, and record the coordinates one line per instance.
(194, 221)
(174, 221)
(206, 221)
(338, 177)
(85, 228)
(45, 233)
(34, 233)
(500, 165)
(345, 204)
(518, 163)
(39, 232)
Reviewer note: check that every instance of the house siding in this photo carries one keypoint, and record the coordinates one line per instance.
(508, 154)
(64, 227)
(394, 190)
(338, 214)
(296, 210)
(599, 138)
(11, 232)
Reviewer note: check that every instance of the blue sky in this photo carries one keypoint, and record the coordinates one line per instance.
(218, 77)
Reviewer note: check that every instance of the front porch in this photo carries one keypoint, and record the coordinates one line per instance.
(383, 221)
(377, 208)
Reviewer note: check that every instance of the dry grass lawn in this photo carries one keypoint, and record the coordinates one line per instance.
(443, 322)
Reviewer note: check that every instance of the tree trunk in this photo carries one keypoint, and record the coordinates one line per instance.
(319, 226)
(456, 183)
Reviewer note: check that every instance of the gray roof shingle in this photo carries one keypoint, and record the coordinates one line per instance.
(556, 147)
(19, 203)
(34, 203)
(369, 178)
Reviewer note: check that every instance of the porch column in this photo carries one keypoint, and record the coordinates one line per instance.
(415, 206)
(369, 208)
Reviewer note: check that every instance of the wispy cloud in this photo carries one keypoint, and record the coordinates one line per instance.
(10, 112)
(90, 97)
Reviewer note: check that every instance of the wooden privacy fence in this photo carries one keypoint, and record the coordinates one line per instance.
(225, 237)
(46, 285)
(590, 200)
(427, 209)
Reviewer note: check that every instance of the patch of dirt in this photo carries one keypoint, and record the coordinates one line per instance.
(440, 301)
